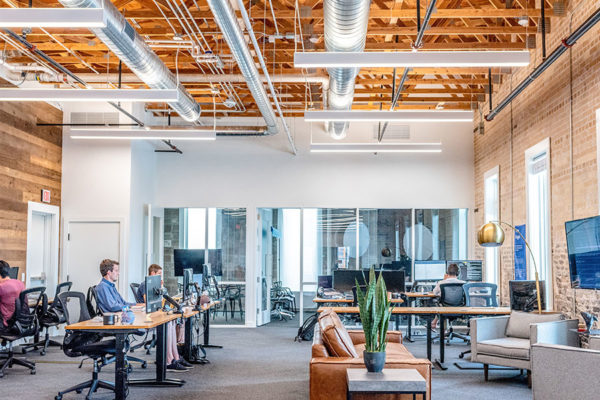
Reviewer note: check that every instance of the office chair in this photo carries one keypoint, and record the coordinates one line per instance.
(215, 293)
(147, 344)
(479, 294)
(49, 316)
(91, 302)
(23, 324)
(452, 295)
(77, 344)
(282, 303)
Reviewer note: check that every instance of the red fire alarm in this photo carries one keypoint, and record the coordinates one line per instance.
(45, 196)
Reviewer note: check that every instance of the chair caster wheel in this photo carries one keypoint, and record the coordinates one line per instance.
(23, 351)
(33, 372)
(42, 353)
(129, 369)
(59, 397)
(144, 365)
(79, 391)
(461, 355)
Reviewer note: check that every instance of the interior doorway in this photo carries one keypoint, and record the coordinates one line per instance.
(87, 244)
(42, 246)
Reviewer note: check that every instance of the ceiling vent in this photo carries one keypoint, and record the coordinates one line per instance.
(106, 118)
(393, 132)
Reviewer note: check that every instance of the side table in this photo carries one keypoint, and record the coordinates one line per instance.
(388, 381)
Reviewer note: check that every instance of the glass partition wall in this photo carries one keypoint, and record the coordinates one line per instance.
(221, 233)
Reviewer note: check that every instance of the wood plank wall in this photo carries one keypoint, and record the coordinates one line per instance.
(30, 160)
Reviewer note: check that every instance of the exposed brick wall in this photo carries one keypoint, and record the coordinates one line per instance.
(171, 243)
(544, 110)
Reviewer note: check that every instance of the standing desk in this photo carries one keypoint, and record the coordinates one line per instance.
(431, 312)
(411, 297)
(187, 349)
(120, 331)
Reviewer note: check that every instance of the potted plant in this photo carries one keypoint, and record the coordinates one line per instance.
(375, 313)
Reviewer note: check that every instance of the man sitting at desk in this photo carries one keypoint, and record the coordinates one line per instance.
(109, 300)
(10, 289)
(450, 277)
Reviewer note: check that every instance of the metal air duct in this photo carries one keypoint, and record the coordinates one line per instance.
(226, 19)
(346, 24)
(128, 45)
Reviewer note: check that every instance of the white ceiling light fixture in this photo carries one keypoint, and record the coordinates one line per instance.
(390, 116)
(133, 95)
(52, 18)
(423, 59)
(153, 133)
(375, 148)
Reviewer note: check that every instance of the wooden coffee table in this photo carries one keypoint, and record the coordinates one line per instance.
(388, 381)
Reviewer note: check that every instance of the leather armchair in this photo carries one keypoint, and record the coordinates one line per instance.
(328, 373)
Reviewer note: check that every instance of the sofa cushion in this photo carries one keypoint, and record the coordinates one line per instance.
(508, 347)
(394, 351)
(518, 322)
(334, 335)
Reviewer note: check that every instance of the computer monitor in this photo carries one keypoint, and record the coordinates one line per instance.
(13, 273)
(430, 270)
(394, 281)
(153, 293)
(583, 248)
(325, 281)
(523, 295)
(188, 276)
(403, 265)
(345, 279)
(468, 270)
(184, 258)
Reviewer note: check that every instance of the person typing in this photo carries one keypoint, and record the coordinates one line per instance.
(451, 276)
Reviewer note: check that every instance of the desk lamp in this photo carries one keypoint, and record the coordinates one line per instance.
(492, 235)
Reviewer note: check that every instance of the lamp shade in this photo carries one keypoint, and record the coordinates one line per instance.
(490, 235)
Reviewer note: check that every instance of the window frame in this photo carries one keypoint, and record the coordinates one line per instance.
(490, 174)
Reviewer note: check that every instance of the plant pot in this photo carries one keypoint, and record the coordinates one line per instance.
(374, 361)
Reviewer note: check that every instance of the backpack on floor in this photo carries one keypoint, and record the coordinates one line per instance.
(307, 330)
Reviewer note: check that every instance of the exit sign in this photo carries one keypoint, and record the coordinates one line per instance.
(45, 196)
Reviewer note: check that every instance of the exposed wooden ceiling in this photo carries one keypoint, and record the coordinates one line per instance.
(456, 25)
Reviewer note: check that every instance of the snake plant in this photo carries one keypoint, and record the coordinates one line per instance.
(375, 312)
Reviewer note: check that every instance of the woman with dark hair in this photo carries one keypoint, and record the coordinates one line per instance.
(9, 293)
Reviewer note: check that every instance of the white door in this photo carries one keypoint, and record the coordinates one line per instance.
(42, 246)
(39, 271)
(88, 244)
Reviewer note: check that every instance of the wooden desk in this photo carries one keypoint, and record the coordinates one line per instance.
(320, 300)
(159, 320)
(411, 297)
(429, 313)
(417, 295)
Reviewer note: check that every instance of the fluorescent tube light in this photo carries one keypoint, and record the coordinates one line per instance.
(134, 95)
(412, 59)
(52, 18)
(390, 116)
(142, 134)
(375, 148)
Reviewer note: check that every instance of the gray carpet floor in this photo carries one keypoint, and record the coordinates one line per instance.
(263, 363)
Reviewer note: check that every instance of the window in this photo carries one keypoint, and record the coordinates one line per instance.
(491, 204)
(537, 160)
(441, 234)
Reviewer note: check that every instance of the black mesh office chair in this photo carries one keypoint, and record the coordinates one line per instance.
(136, 294)
(49, 316)
(77, 344)
(479, 294)
(452, 295)
(147, 344)
(24, 323)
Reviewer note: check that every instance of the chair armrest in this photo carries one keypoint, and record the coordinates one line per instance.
(319, 350)
(555, 332)
(488, 328)
(561, 372)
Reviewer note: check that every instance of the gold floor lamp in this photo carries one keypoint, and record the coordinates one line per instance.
(492, 235)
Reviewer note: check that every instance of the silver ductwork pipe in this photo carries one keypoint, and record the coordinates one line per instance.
(120, 37)
(227, 21)
(346, 23)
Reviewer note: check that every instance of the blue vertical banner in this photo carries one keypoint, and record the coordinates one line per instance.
(520, 254)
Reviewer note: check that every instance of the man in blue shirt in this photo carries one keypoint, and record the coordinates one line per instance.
(107, 295)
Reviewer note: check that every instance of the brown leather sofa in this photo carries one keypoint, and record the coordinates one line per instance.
(335, 349)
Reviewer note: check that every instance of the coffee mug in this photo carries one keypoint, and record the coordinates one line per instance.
(109, 319)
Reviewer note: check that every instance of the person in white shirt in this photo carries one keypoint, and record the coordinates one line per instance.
(450, 277)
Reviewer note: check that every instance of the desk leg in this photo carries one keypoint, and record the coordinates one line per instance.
(207, 344)
(161, 363)
(410, 302)
(429, 338)
(120, 368)
(440, 362)
(187, 343)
